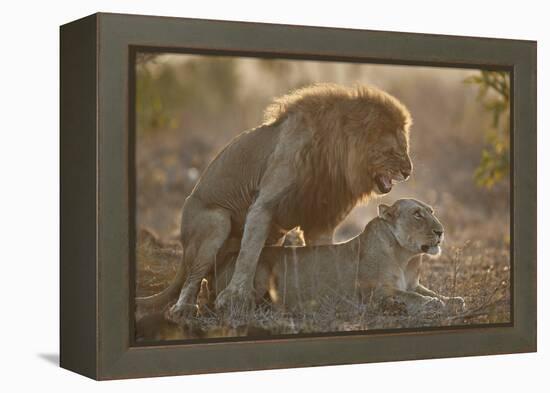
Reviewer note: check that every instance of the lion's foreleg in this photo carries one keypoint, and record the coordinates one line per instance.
(256, 231)
(238, 297)
(279, 175)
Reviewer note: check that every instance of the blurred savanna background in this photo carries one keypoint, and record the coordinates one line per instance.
(188, 107)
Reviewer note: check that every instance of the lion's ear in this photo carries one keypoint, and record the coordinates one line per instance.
(385, 212)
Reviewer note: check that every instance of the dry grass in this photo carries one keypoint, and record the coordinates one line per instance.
(474, 270)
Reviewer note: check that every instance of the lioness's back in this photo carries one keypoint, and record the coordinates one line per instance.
(298, 277)
(304, 276)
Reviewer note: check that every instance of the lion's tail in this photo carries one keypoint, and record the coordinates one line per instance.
(159, 301)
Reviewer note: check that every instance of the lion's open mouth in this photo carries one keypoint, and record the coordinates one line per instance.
(384, 183)
(425, 248)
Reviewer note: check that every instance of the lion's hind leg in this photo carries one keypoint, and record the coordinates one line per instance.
(207, 236)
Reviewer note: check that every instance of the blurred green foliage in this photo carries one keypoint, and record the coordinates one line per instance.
(157, 98)
(167, 92)
(494, 92)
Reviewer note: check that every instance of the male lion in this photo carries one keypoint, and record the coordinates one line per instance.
(377, 264)
(320, 151)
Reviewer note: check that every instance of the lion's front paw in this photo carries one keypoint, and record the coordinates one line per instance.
(180, 313)
(234, 304)
(455, 304)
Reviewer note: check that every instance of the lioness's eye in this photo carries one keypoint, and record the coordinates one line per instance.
(417, 214)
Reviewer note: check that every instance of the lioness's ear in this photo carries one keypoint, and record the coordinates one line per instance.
(385, 212)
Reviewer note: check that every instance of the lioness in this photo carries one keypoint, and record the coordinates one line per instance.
(377, 264)
(321, 150)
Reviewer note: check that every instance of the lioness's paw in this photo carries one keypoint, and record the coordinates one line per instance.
(434, 304)
(455, 304)
(234, 304)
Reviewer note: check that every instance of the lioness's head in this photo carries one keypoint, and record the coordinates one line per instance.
(414, 225)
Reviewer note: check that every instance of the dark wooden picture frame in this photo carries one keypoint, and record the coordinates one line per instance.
(97, 231)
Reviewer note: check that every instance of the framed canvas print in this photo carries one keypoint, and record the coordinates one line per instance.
(241, 196)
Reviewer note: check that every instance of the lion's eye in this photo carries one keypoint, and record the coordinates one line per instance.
(417, 214)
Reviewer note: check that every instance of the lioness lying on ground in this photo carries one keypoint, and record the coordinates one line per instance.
(382, 262)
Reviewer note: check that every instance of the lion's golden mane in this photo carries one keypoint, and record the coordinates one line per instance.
(346, 124)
